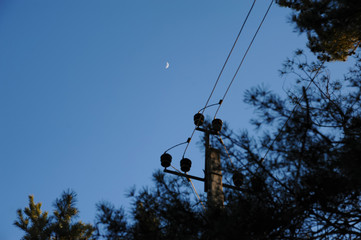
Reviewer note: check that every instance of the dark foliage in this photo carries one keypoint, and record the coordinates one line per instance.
(333, 27)
(61, 226)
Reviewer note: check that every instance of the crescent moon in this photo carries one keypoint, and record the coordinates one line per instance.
(167, 65)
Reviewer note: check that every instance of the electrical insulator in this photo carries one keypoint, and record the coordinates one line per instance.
(198, 119)
(237, 179)
(185, 164)
(217, 124)
(165, 160)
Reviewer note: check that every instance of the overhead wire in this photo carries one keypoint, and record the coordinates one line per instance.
(297, 103)
(221, 72)
(225, 148)
(228, 88)
(196, 193)
(225, 94)
(244, 56)
(229, 54)
(176, 169)
(193, 188)
(177, 145)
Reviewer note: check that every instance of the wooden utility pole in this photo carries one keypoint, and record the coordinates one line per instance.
(213, 185)
(213, 176)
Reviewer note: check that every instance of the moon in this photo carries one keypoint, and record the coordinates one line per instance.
(167, 65)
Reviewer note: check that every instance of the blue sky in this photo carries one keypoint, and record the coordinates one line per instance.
(87, 104)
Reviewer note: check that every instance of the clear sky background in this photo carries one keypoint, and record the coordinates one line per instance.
(87, 104)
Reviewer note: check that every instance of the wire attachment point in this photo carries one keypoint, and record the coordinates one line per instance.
(214, 104)
(177, 145)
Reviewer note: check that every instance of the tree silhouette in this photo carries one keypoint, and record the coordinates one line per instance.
(110, 222)
(35, 224)
(309, 166)
(61, 226)
(333, 27)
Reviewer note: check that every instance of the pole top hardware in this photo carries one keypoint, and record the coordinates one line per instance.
(217, 124)
(165, 160)
(198, 119)
(185, 164)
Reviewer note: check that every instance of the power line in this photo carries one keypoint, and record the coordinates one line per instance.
(225, 148)
(229, 54)
(185, 150)
(196, 193)
(216, 83)
(188, 140)
(244, 56)
(221, 72)
(193, 188)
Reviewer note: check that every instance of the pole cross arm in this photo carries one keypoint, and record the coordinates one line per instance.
(201, 179)
(184, 175)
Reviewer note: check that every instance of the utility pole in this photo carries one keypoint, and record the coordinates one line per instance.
(213, 175)
(212, 179)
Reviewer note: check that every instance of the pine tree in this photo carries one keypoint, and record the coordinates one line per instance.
(61, 226)
(333, 27)
(111, 223)
(36, 224)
